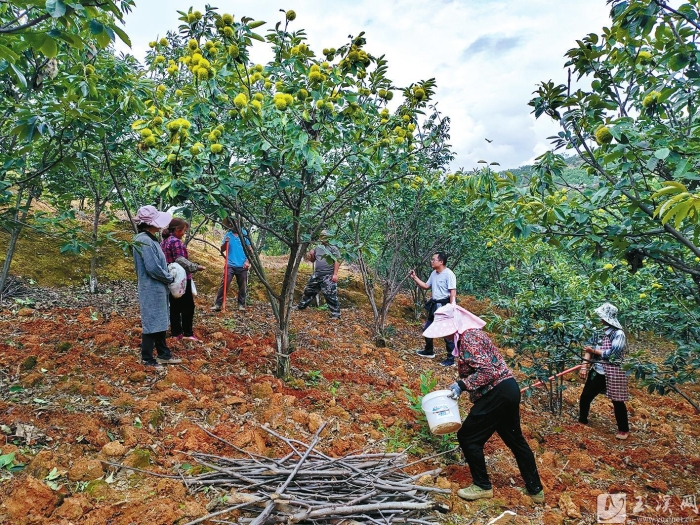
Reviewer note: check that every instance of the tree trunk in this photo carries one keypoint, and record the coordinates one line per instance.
(283, 363)
(387, 299)
(368, 280)
(14, 235)
(118, 188)
(418, 297)
(284, 348)
(93, 255)
(93, 272)
(8, 255)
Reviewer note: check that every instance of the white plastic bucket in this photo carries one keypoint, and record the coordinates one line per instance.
(442, 412)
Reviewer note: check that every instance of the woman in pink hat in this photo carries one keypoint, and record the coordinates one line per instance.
(153, 280)
(496, 402)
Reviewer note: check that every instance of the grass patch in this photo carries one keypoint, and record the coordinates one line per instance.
(38, 257)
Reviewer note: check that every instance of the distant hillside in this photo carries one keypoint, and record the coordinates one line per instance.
(574, 174)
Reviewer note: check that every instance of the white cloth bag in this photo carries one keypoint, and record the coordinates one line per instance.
(179, 285)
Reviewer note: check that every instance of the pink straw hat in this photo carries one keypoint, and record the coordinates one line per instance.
(151, 216)
(451, 319)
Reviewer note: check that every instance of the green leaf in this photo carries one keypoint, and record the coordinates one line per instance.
(678, 61)
(256, 36)
(669, 188)
(16, 388)
(49, 48)
(662, 153)
(7, 54)
(71, 40)
(20, 76)
(681, 212)
(103, 39)
(103, 34)
(121, 34)
(255, 24)
(56, 8)
(7, 459)
(96, 27)
(52, 485)
(681, 168)
(666, 211)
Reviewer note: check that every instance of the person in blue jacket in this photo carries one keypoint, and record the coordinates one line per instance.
(237, 265)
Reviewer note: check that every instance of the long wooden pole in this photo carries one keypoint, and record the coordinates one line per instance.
(540, 383)
(223, 303)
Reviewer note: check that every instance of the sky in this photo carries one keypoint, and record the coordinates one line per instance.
(487, 56)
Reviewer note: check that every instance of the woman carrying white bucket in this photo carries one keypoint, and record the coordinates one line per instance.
(496, 402)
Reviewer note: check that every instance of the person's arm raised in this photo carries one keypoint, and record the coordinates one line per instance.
(416, 279)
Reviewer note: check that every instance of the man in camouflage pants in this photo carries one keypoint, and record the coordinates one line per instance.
(326, 261)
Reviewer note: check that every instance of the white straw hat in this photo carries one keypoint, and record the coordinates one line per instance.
(608, 313)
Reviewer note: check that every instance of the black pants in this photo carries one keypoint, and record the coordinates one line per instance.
(497, 412)
(449, 341)
(182, 312)
(149, 341)
(241, 280)
(595, 384)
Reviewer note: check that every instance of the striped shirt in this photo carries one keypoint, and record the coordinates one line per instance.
(613, 345)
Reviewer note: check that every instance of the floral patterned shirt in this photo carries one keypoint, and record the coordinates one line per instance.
(480, 365)
(173, 248)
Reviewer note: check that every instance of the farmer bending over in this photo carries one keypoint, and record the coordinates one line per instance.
(496, 402)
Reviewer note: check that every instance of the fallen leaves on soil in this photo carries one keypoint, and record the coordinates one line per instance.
(71, 373)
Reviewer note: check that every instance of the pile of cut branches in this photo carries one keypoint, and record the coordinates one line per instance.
(309, 486)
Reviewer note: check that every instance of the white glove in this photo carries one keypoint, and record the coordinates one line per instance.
(456, 391)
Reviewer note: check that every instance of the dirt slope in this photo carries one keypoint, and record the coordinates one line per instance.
(70, 374)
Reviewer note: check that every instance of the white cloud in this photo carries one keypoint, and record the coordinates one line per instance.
(486, 56)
